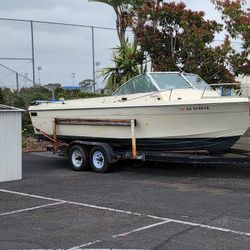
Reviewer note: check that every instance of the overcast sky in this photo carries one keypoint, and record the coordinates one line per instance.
(59, 50)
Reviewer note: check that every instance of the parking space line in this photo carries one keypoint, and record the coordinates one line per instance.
(112, 209)
(121, 235)
(31, 195)
(79, 204)
(226, 230)
(140, 229)
(85, 245)
(31, 208)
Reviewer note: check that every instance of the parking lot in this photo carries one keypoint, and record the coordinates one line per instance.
(137, 206)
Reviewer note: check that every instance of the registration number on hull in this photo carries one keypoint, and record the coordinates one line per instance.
(196, 108)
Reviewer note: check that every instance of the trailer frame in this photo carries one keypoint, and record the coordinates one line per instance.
(234, 157)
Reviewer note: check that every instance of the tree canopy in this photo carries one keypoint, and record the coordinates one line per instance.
(1, 96)
(177, 38)
(237, 23)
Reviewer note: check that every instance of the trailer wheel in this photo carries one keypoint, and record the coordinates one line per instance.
(99, 159)
(79, 158)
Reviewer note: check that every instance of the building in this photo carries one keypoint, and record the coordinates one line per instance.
(10, 143)
(71, 87)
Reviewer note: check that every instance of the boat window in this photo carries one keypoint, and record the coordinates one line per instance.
(170, 81)
(197, 82)
(140, 84)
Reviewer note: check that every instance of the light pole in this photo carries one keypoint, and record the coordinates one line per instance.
(39, 76)
(25, 78)
(73, 77)
(97, 64)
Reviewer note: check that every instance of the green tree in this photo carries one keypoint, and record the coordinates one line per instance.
(19, 102)
(177, 38)
(237, 24)
(1, 96)
(128, 63)
(8, 96)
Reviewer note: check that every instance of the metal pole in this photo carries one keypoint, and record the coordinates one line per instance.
(17, 85)
(97, 64)
(24, 76)
(39, 74)
(57, 23)
(16, 58)
(134, 150)
(73, 77)
(33, 52)
(54, 136)
(93, 54)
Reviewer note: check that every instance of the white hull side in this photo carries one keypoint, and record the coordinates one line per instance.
(209, 120)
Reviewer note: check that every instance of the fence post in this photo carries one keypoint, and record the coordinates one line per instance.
(33, 52)
(93, 55)
(17, 85)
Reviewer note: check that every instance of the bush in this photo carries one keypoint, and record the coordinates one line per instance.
(1, 96)
(27, 95)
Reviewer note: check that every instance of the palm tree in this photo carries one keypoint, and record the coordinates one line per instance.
(128, 63)
(123, 13)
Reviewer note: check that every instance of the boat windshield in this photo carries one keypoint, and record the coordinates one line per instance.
(139, 84)
(153, 82)
(170, 81)
(196, 81)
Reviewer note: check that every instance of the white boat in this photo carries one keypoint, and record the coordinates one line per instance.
(173, 111)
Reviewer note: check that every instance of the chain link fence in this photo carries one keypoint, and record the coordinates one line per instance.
(48, 52)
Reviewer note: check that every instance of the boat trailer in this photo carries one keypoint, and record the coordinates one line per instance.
(101, 156)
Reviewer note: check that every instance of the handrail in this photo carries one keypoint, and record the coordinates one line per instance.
(225, 84)
(221, 85)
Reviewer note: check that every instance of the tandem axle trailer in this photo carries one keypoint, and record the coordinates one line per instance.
(100, 156)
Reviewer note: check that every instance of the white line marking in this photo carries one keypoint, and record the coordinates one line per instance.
(132, 213)
(31, 195)
(107, 209)
(140, 229)
(85, 245)
(121, 235)
(226, 230)
(31, 208)
(78, 203)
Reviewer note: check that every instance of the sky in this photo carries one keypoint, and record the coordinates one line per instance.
(59, 50)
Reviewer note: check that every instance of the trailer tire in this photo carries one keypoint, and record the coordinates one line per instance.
(79, 158)
(99, 159)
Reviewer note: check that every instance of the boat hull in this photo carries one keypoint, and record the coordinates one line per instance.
(215, 145)
(204, 126)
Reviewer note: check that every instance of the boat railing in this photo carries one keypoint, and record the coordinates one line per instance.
(228, 89)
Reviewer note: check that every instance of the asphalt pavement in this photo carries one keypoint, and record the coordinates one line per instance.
(137, 206)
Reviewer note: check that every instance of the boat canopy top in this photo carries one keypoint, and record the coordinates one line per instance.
(160, 81)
